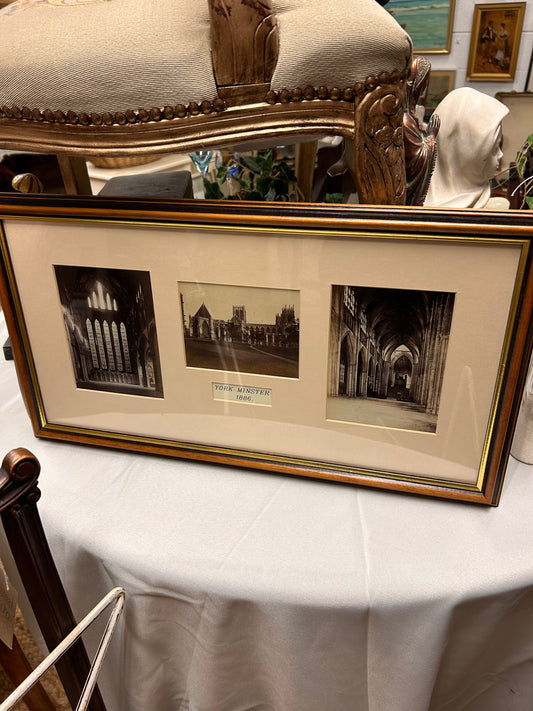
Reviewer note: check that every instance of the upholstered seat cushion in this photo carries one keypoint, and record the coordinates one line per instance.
(336, 43)
(114, 55)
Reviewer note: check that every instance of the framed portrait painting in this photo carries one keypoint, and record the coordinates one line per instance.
(495, 41)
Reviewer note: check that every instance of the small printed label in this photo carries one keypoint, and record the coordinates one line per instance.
(246, 394)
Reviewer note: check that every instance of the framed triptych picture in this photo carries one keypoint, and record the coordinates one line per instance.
(364, 345)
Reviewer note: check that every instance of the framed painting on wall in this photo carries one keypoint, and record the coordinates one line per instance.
(440, 84)
(495, 41)
(428, 24)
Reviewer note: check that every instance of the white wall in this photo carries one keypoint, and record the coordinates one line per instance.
(457, 59)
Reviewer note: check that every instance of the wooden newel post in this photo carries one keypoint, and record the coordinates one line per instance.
(22, 524)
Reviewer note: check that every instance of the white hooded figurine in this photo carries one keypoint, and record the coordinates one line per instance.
(468, 149)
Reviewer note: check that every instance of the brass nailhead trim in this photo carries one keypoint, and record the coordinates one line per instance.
(155, 114)
(351, 93)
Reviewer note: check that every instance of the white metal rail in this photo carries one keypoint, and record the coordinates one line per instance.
(116, 596)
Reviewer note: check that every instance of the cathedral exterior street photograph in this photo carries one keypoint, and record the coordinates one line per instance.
(387, 355)
(241, 329)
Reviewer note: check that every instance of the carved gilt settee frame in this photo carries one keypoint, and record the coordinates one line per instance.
(247, 112)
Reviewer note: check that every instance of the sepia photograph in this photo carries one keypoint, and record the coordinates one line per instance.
(387, 354)
(110, 324)
(241, 329)
(495, 41)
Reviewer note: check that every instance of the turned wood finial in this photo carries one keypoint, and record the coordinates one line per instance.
(20, 465)
(244, 45)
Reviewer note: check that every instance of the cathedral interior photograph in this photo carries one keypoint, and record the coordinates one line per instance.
(387, 356)
(110, 325)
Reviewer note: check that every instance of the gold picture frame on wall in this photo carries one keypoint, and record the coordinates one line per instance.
(495, 41)
(353, 344)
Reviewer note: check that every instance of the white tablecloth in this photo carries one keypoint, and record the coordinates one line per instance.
(252, 591)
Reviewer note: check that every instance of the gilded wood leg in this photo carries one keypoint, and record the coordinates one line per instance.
(305, 160)
(376, 158)
(75, 175)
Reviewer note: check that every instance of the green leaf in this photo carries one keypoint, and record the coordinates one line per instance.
(212, 191)
(270, 195)
(333, 197)
(264, 183)
(268, 161)
(252, 164)
(286, 172)
(253, 195)
(280, 189)
(529, 201)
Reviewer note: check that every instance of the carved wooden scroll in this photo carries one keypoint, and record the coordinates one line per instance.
(378, 162)
(244, 45)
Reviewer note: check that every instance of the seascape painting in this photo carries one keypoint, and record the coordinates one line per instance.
(429, 24)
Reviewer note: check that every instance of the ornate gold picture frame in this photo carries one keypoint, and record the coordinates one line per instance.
(495, 41)
(377, 347)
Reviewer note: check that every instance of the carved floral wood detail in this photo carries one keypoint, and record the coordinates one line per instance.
(379, 162)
